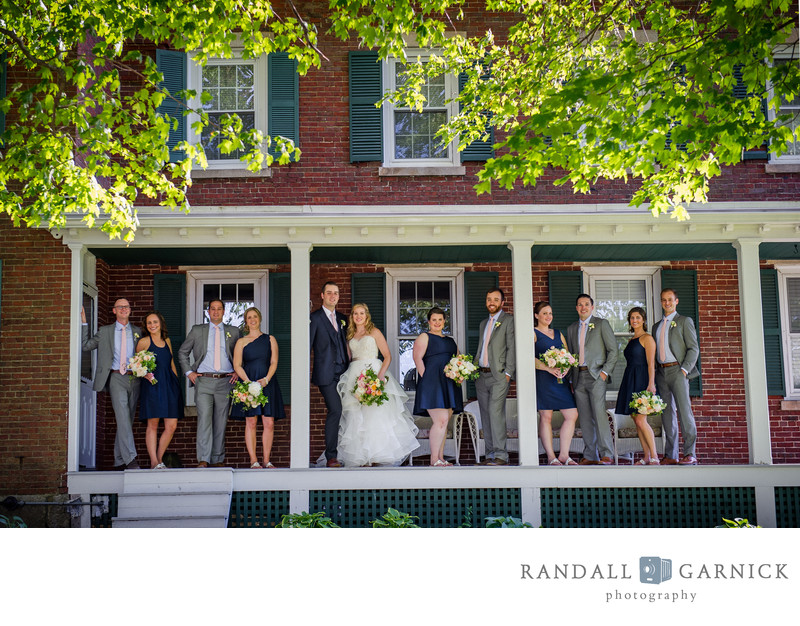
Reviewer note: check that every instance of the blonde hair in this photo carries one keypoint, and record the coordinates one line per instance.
(257, 312)
(351, 326)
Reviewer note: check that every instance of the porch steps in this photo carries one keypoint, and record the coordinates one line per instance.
(175, 498)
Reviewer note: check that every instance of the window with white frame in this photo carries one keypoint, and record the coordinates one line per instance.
(789, 297)
(790, 108)
(411, 293)
(228, 86)
(410, 135)
(616, 290)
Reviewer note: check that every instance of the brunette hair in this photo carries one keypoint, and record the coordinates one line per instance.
(161, 319)
(640, 311)
(436, 310)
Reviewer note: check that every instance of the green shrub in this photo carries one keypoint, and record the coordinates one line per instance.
(395, 519)
(506, 522)
(736, 522)
(15, 521)
(306, 520)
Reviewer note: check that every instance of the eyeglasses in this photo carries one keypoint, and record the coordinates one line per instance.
(123, 307)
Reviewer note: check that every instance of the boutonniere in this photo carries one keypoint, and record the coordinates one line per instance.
(135, 335)
(672, 324)
(342, 322)
(497, 324)
(227, 335)
(591, 325)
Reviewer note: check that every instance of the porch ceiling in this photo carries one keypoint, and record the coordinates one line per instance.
(381, 255)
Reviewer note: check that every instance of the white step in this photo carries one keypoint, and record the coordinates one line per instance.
(174, 505)
(195, 521)
(178, 480)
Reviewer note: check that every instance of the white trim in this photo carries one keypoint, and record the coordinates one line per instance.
(416, 55)
(787, 270)
(194, 82)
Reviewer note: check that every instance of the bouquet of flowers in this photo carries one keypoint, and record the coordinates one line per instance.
(141, 364)
(647, 403)
(249, 394)
(461, 368)
(560, 358)
(370, 390)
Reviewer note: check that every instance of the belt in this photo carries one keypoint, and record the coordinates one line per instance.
(215, 375)
(668, 364)
(583, 368)
(485, 370)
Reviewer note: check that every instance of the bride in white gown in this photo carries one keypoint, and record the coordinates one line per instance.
(372, 435)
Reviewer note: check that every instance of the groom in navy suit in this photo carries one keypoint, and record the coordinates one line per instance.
(329, 343)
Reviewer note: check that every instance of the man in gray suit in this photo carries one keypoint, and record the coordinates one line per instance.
(677, 352)
(211, 346)
(115, 344)
(592, 339)
(496, 360)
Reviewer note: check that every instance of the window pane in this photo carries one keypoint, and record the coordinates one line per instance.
(209, 291)
(228, 291)
(614, 298)
(425, 293)
(86, 355)
(441, 293)
(408, 372)
(247, 291)
(793, 302)
(794, 343)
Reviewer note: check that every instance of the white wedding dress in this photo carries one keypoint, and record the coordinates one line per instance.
(382, 435)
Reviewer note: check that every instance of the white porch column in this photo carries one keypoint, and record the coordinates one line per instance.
(301, 394)
(522, 282)
(75, 302)
(754, 361)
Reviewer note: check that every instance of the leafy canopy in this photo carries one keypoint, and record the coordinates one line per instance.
(662, 92)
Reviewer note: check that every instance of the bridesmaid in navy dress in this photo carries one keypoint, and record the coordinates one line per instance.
(161, 400)
(552, 394)
(640, 375)
(255, 357)
(437, 395)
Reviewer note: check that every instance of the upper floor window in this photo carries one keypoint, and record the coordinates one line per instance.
(411, 134)
(789, 287)
(790, 108)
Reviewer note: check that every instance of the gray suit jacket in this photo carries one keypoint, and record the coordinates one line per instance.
(104, 342)
(600, 346)
(502, 350)
(682, 342)
(196, 344)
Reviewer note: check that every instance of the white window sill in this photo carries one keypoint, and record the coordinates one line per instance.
(428, 170)
(790, 405)
(232, 173)
(782, 168)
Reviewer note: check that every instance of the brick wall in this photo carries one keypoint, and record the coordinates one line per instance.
(34, 361)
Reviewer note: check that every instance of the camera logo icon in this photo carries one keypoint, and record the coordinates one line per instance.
(654, 570)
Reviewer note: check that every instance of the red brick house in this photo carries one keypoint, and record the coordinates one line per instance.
(398, 226)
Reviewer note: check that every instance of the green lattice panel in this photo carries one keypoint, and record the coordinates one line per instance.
(787, 507)
(700, 507)
(435, 508)
(104, 520)
(257, 509)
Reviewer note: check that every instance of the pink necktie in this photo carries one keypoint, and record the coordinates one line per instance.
(484, 362)
(581, 343)
(662, 343)
(333, 320)
(218, 350)
(123, 351)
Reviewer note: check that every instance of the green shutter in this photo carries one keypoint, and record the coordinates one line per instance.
(478, 150)
(280, 327)
(366, 121)
(740, 92)
(684, 282)
(370, 289)
(476, 284)
(169, 298)
(283, 100)
(773, 347)
(565, 287)
(172, 65)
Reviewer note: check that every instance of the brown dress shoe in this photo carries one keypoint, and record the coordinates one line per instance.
(202, 464)
(585, 461)
(334, 462)
(668, 461)
(496, 462)
(606, 461)
(688, 460)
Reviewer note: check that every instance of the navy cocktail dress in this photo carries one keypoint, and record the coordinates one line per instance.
(635, 378)
(434, 389)
(256, 358)
(550, 394)
(162, 400)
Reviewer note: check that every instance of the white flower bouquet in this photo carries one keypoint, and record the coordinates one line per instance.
(370, 390)
(251, 394)
(647, 403)
(559, 358)
(141, 364)
(461, 368)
